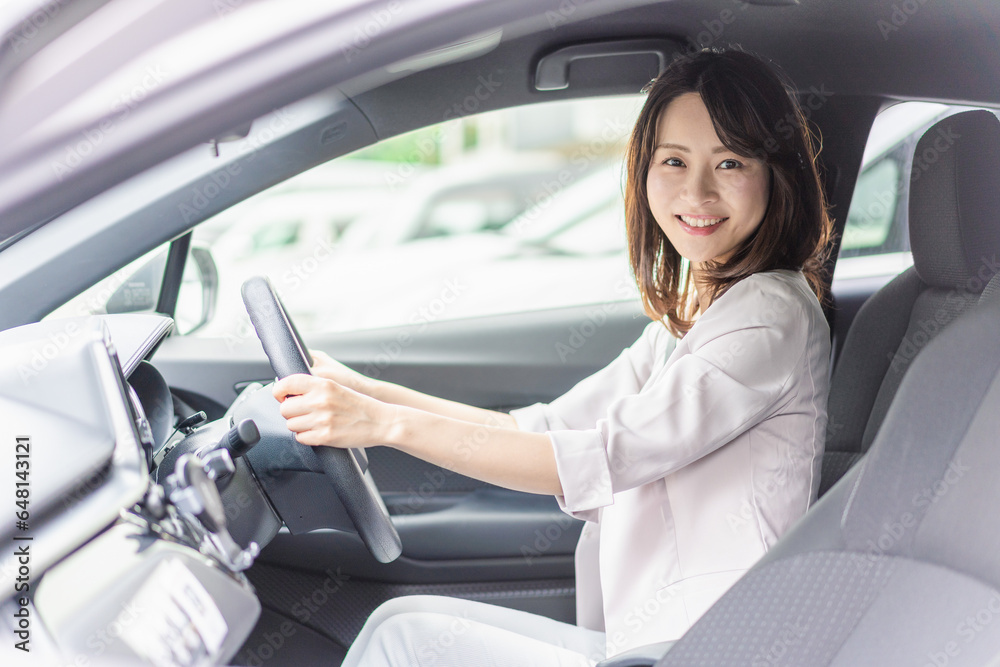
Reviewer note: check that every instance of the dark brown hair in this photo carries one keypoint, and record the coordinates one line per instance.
(755, 114)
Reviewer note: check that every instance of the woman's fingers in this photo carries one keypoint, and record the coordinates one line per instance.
(312, 424)
(326, 366)
(319, 357)
(301, 424)
(293, 406)
(320, 362)
(317, 439)
(295, 385)
(322, 412)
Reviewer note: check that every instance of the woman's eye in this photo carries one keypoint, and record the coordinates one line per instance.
(673, 162)
(730, 164)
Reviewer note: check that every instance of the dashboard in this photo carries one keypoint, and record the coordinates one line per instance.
(99, 528)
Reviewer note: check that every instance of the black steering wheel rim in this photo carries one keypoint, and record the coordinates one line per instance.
(288, 355)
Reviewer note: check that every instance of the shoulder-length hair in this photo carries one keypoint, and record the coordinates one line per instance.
(755, 114)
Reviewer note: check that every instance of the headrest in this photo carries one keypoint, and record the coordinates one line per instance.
(955, 202)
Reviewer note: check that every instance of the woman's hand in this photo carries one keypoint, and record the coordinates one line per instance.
(325, 366)
(323, 412)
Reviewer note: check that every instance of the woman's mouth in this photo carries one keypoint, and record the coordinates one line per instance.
(700, 225)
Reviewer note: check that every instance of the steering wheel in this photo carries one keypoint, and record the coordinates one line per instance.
(288, 356)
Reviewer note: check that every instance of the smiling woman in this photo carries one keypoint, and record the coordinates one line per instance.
(730, 181)
(707, 203)
(659, 450)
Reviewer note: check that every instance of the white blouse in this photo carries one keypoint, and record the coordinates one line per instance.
(689, 458)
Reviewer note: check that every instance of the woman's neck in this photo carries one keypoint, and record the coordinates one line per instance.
(702, 290)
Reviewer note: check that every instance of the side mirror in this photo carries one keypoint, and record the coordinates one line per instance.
(196, 301)
(139, 291)
(199, 292)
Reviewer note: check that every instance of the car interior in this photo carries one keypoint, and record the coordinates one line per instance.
(183, 474)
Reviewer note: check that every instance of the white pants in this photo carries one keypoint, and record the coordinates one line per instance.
(437, 631)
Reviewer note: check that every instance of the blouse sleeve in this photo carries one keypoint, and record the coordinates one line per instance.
(589, 399)
(734, 374)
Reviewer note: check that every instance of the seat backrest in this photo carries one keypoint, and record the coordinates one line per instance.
(898, 564)
(953, 205)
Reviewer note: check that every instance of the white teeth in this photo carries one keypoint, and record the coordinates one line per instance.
(700, 222)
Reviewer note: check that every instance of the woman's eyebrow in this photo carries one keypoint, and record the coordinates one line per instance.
(678, 147)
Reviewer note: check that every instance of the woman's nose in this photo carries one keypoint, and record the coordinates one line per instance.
(699, 188)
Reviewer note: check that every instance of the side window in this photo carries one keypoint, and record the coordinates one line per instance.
(508, 211)
(874, 210)
(278, 235)
(135, 288)
(876, 240)
(476, 210)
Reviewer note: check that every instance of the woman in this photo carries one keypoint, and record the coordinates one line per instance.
(692, 452)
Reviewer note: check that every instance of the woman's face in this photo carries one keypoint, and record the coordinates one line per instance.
(706, 199)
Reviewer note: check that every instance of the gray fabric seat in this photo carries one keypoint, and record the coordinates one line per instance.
(956, 252)
(897, 564)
